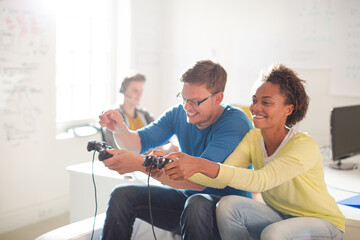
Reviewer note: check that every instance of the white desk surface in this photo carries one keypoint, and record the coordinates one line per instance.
(101, 170)
(82, 202)
(343, 184)
(346, 180)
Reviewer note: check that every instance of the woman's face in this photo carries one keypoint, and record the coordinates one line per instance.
(268, 107)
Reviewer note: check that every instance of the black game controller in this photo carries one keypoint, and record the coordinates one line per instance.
(100, 148)
(156, 162)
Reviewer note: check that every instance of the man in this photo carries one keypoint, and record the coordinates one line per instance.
(205, 128)
(134, 116)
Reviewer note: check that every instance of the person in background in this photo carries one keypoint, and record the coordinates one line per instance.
(205, 127)
(134, 116)
(287, 171)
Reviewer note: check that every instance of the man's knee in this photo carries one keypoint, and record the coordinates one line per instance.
(123, 194)
(199, 202)
(198, 208)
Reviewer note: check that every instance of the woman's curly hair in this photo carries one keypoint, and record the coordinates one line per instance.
(292, 88)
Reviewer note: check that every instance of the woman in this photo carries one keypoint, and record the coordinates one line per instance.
(287, 171)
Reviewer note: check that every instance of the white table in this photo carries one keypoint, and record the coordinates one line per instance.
(343, 184)
(82, 195)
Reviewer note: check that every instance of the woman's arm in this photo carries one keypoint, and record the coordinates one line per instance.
(188, 167)
(185, 166)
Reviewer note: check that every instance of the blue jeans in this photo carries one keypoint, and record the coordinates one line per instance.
(243, 218)
(192, 216)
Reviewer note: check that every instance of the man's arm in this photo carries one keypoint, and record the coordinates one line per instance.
(125, 138)
(179, 184)
(125, 162)
(128, 139)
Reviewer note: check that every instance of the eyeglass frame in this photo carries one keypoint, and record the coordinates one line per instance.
(193, 102)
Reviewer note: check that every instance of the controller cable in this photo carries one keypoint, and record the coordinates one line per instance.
(96, 204)
(150, 212)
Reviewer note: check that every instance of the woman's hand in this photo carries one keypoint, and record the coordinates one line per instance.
(184, 166)
(156, 173)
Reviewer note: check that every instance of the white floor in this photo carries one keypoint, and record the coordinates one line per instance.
(33, 231)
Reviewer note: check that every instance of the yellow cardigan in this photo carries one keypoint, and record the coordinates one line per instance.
(293, 183)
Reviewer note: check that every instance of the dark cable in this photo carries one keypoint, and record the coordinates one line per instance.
(96, 205)
(150, 212)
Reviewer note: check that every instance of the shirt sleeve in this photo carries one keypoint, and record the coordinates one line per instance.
(295, 158)
(158, 132)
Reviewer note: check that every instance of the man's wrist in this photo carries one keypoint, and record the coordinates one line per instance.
(139, 162)
(120, 131)
(118, 135)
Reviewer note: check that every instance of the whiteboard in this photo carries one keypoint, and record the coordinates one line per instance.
(345, 76)
(314, 34)
(27, 71)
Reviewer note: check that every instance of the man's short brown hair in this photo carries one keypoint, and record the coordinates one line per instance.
(131, 78)
(207, 72)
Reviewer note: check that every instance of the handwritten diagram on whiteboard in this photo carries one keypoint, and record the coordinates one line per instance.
(315, 34)
(345, 76)
(26, 65)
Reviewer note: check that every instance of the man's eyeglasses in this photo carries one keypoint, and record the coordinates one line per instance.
(192, 102)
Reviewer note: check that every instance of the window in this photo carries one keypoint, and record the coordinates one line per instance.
(85, 59)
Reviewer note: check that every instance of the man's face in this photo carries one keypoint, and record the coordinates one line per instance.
(203, 115)
(133, 92)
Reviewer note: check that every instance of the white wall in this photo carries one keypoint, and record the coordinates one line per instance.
(167, 37)
(317, 120)
(150, 22)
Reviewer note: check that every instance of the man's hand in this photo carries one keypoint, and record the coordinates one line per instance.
(124, 161)
(112, 120)
(124, 138)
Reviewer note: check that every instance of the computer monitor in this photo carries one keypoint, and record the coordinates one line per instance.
(345, 135)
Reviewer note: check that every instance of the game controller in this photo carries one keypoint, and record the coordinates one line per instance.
(156, 162)
(100, 148)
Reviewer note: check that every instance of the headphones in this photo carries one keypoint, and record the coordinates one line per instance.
(122, 88)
